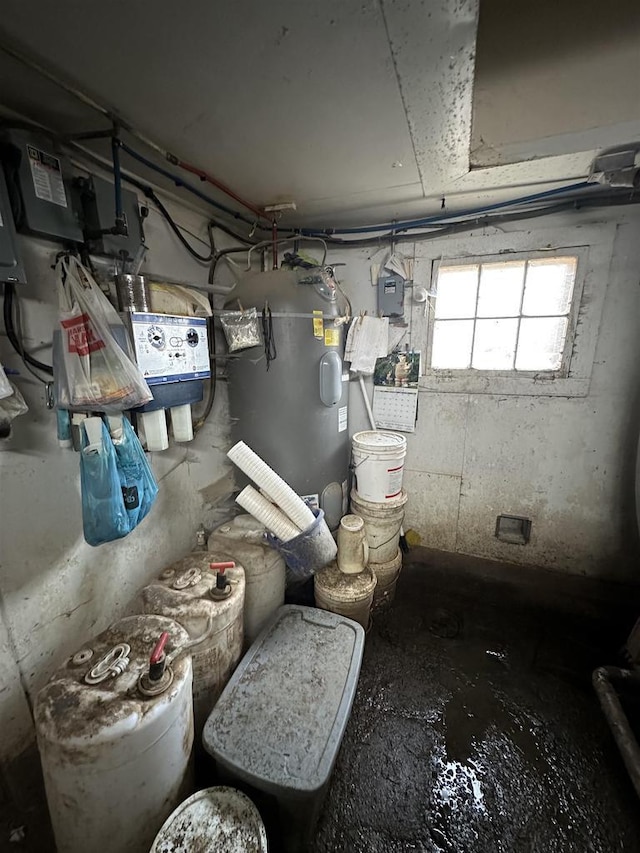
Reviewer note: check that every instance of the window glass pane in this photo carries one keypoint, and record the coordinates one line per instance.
(501, 289)
(495, 344)
(456, 290)
(452, 344)
(541, 343)
(549, 286)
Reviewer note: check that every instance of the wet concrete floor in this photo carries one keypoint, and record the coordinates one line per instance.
(474, 730)
(475, 727)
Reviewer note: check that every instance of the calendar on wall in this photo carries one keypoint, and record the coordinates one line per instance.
(395, 391)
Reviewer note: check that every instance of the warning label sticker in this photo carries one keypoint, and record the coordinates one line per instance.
(318, 324)
(332, 337)
(46, 174)
(342, 418)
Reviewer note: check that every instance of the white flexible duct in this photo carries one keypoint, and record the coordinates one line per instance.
(272, 484)
(268, 514)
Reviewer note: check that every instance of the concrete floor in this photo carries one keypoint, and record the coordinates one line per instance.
(475, 727)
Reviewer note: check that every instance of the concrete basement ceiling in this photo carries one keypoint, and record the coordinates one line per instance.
(359, 111)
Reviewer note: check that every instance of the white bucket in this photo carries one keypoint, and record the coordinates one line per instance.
(348, 595)
(387, 575)
(382, 523)
(378, 462)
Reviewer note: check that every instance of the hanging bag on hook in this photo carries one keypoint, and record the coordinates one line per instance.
(104, 515)
(100, 376)
(139, 487)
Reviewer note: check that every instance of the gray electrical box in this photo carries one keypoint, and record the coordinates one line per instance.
(391, 295)
(99, 209)
(11, 268)
(38, 180)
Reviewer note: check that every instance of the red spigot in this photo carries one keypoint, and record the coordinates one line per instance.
(221, 577)
(158, 658)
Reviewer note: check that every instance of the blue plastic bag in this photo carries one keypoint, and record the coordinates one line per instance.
(104, 516)
(139, 488)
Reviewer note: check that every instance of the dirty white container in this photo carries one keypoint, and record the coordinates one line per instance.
(382, 524)
(349, 595)
(242, 540)
(279, 723)
(116, 761)
(387, 575)
(353, 548)
(378, 463)
(215, 820)
(184, 591)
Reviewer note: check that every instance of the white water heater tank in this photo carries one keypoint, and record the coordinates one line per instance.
(115, 746)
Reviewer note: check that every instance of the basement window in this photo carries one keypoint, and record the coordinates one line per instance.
(508, 316)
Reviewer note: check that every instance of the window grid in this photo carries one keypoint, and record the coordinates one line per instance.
(566, 315)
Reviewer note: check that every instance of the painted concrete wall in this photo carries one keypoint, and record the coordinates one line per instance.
(564, 458)
(56, 590)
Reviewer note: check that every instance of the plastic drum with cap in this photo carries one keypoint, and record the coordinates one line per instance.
(115, 730)
(215, 820)
(187, 592)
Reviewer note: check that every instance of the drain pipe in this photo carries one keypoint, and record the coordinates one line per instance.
(603, 680)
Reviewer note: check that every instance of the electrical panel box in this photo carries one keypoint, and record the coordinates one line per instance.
(97, 197)
(11, 268)
(38, 179)
(391, 295)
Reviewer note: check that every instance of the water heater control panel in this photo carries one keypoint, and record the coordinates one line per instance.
(170, 348)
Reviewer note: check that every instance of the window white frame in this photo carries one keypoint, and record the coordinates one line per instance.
(592, 244)
(581, 254)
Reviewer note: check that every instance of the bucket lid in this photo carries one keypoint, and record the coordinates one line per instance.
(347, 588)
(379, 440)
(221, 819)
(379, 508)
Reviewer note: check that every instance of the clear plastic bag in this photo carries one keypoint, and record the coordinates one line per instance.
(99, 374)
(104, 515)
(5, 386)
(241, 329)
(11, 407)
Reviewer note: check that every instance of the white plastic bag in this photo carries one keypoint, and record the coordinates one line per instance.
(100, 375)
(5, 388)
(10, 408)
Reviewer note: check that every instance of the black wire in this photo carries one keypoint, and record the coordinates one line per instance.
(270, 352)
(481, 221)
(9, 293)
(150, 194)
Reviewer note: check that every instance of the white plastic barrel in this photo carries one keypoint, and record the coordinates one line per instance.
(242, 539)
(348, 595)
(378, 463)
(116, 762)
(387, 575)
(382, 524)
(215, 820)
(183, 591)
